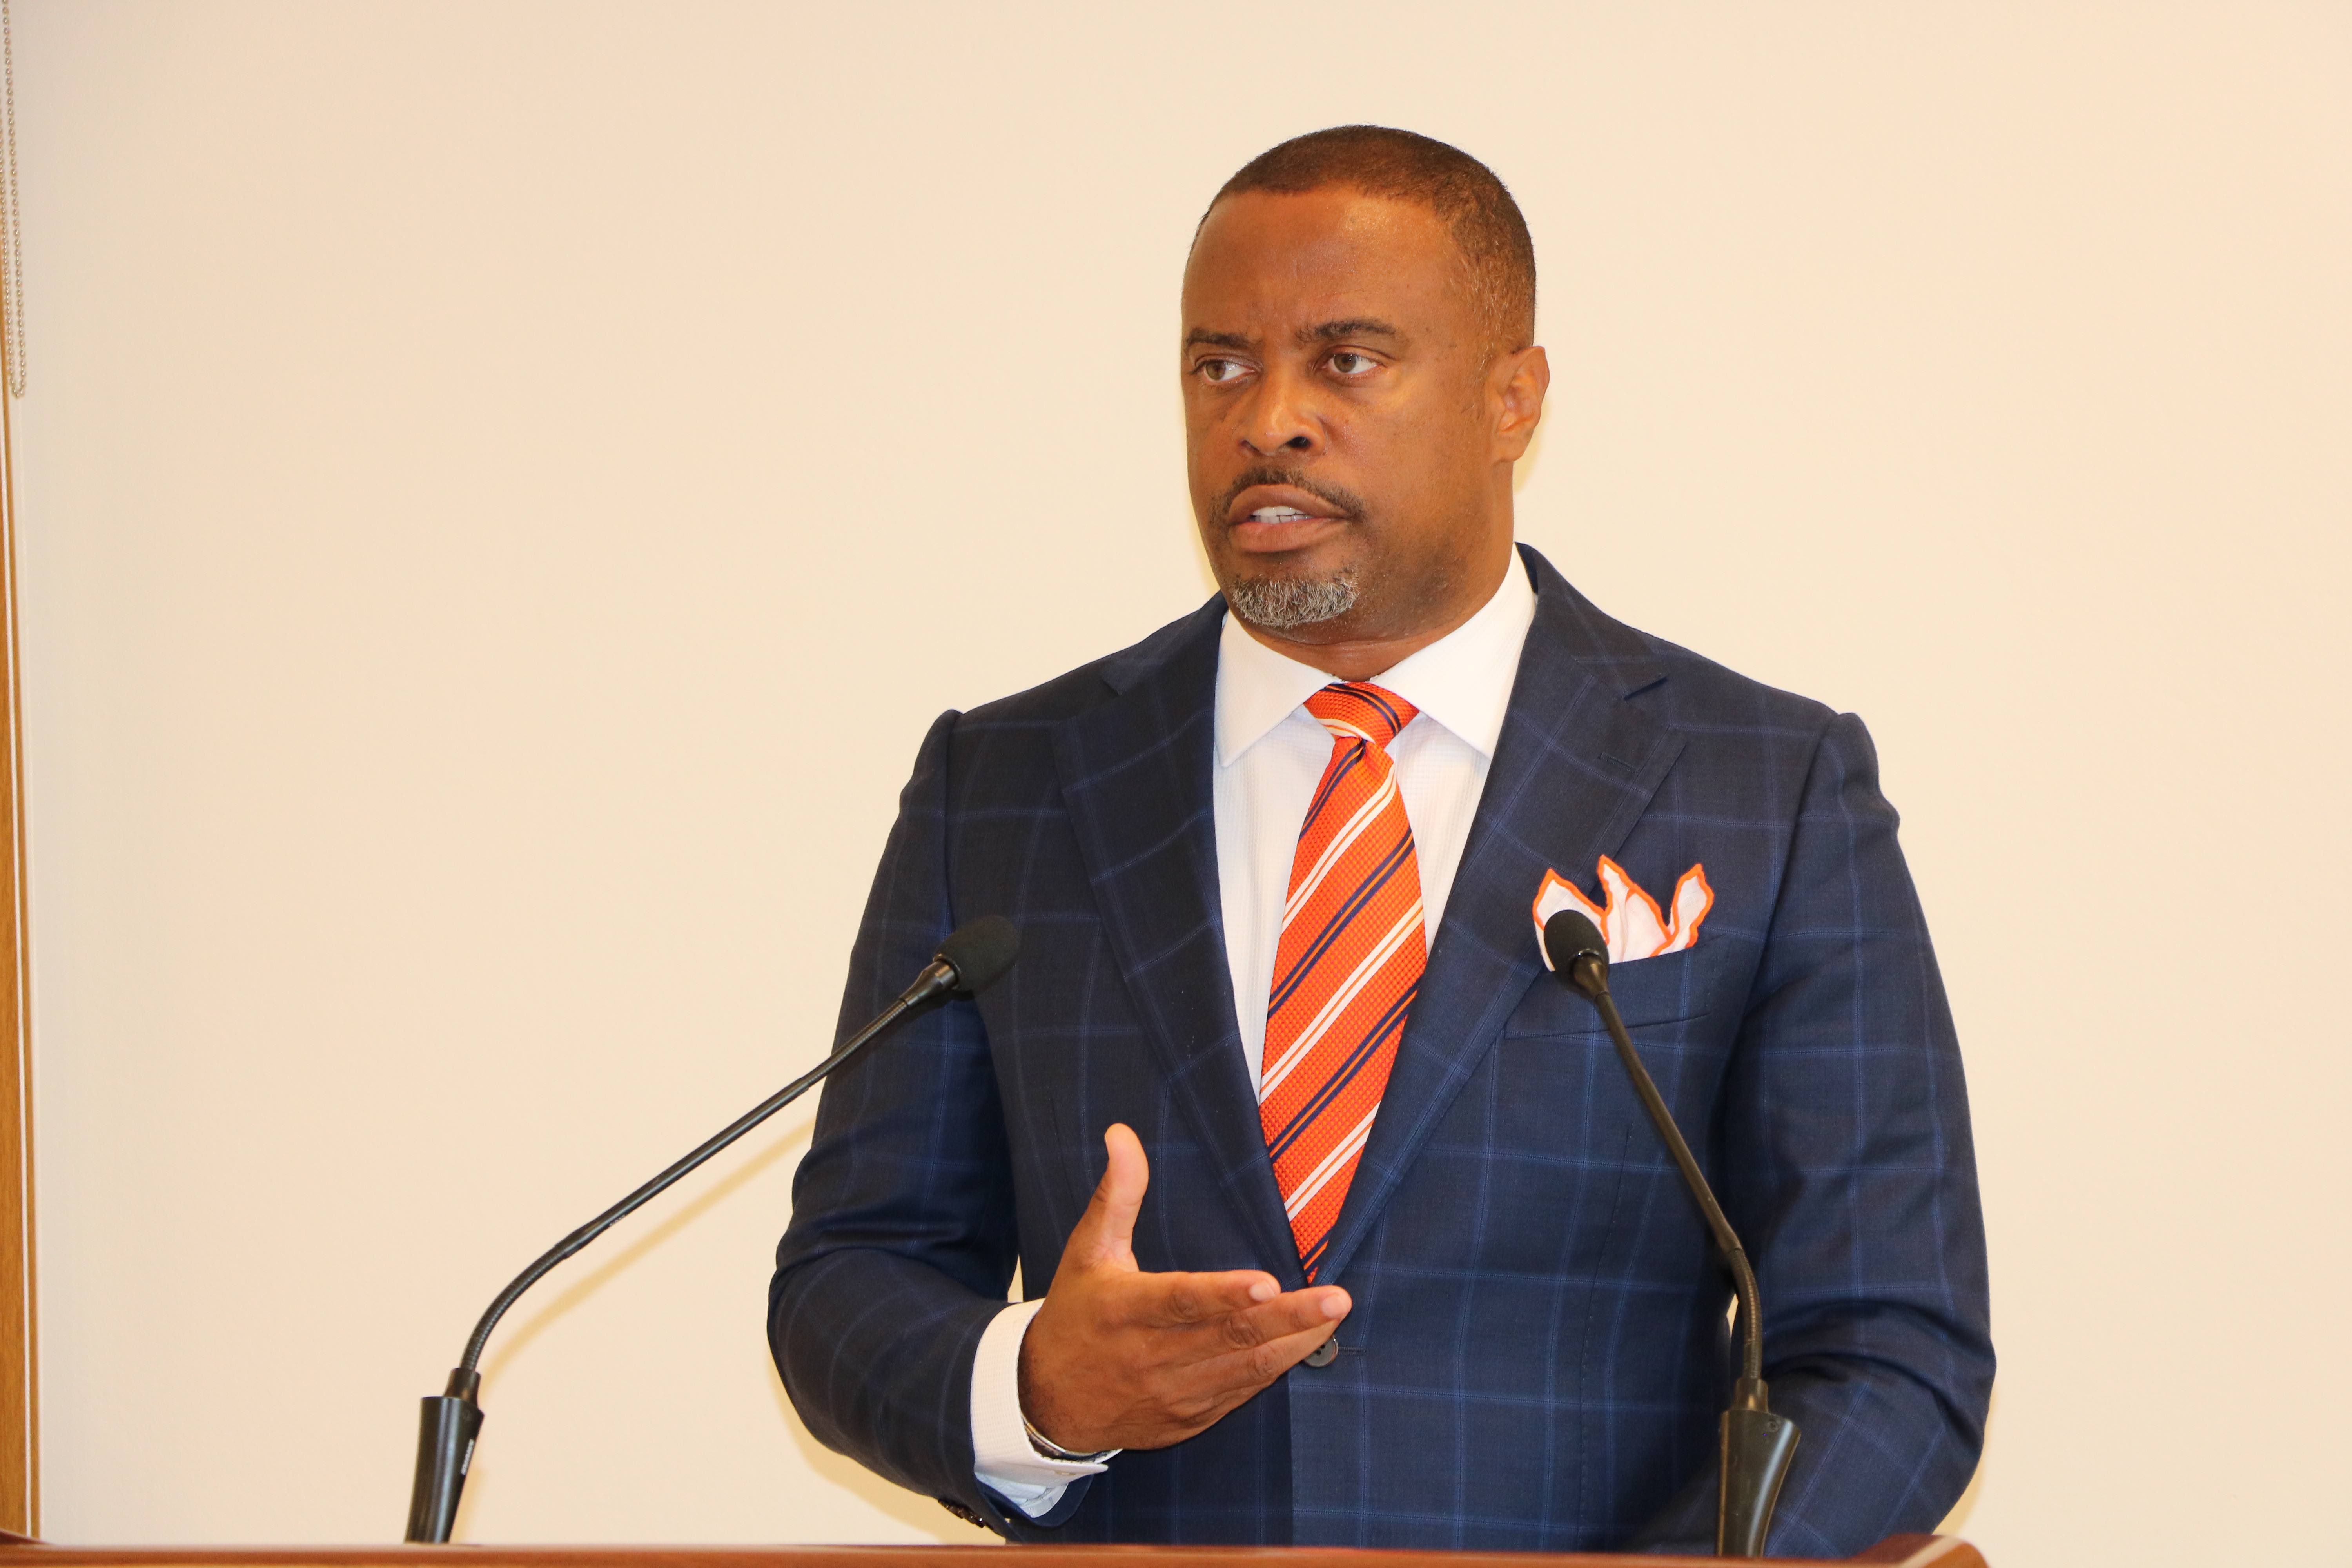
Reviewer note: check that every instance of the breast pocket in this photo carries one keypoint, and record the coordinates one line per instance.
(1649, 993)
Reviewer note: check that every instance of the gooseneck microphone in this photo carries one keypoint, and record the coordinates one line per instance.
(972, 958)
(1757, 1444)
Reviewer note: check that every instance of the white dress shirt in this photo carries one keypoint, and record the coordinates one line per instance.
(1270, 754)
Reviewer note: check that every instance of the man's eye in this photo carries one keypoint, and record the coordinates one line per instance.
(1349, 363)
(1218, 371)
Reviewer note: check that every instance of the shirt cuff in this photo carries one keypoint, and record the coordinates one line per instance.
(1003, 1457)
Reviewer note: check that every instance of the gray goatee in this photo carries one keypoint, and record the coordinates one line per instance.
(1285, 603)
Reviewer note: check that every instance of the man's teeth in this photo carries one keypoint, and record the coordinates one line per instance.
(1275, 514)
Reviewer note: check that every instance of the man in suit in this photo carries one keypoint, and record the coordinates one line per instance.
(1340, 1223)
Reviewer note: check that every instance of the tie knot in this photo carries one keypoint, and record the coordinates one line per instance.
(1358, 709)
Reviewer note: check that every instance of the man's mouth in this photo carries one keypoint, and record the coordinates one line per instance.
(1270, 519)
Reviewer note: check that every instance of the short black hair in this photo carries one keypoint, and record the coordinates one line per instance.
(1402, 165)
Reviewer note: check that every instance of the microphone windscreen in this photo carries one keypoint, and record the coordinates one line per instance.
(980, 950)
(1570, 935)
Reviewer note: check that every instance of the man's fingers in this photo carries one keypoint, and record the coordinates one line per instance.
(1271, 1320)
(1107, 1228)
(1242, 1372)
(1179, 1300)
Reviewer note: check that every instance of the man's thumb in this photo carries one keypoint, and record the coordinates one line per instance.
(1109, 1223)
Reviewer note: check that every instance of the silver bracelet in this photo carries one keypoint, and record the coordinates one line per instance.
(1050, 1449)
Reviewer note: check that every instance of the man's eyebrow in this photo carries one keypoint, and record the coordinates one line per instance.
(1353, 327)
(1201, 337)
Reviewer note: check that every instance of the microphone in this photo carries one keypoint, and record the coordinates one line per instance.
(1756, 1444)
(972, 958)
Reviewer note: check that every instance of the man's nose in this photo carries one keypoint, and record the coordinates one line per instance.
(1278, 418)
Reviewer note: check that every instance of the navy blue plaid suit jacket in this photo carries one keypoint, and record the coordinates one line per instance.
(1538, 1352)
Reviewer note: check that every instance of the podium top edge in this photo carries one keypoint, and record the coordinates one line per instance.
(1902, 1551)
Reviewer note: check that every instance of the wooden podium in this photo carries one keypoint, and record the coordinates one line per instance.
(1901, 1551)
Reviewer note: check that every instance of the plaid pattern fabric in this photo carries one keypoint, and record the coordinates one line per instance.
(1351, 955)
(1537, 1351)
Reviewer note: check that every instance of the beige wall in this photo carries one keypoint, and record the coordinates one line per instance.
(505, 486)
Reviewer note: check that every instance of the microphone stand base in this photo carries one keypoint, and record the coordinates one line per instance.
(447, 1426)
(1757, 1449)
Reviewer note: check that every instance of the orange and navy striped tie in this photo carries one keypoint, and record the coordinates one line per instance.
(1350, 959)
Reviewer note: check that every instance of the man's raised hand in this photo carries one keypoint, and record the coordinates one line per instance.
(1120, 1359)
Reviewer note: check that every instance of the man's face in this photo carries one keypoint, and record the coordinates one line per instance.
(1350, 431)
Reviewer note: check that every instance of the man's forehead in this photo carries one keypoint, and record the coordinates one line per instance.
(1267, 263)
(1329, 330)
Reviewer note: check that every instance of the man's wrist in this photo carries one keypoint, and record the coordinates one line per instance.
(1047, 1448)
(1003, 1458)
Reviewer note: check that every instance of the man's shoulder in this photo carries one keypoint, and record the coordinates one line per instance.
(1675, 687)
(1699, 693)
(1090, 685)
(1672, 685)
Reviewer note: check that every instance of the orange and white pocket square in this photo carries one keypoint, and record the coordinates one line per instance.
(1632, 923)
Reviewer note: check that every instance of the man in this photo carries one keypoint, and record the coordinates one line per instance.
(1354, 1231)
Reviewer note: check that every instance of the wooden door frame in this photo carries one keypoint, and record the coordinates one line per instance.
(20, 1447)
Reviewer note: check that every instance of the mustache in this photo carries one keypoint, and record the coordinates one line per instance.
(1347, 503)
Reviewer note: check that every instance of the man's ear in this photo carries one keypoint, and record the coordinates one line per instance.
(1516, 384)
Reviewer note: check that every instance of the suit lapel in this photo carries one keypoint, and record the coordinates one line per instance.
(1136, 776)
(1576, 765)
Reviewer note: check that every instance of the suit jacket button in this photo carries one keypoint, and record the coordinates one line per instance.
(1325, 1353)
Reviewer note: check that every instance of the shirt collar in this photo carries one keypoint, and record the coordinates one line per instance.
(1462, 681)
